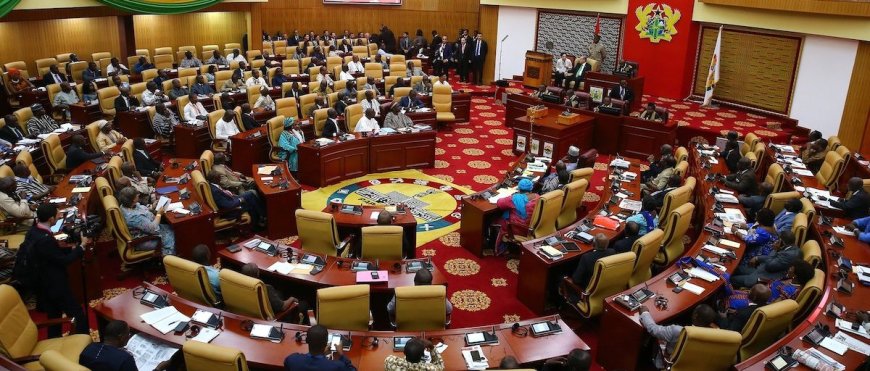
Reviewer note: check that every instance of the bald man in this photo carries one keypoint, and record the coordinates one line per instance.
(586, 265)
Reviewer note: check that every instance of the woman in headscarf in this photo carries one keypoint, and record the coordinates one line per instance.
(291, 137)
(518, 209)
(17, 83)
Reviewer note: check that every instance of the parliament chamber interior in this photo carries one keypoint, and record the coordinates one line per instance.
(434, 185)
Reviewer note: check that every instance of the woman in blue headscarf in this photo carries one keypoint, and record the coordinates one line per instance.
(291, 137)
(518, 209)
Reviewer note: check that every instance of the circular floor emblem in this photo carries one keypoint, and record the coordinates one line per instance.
(435, 205)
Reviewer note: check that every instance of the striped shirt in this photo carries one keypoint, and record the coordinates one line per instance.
(29, 186)
(41, 125)
(163, 125)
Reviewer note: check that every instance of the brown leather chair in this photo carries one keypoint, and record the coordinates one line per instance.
(610, 276)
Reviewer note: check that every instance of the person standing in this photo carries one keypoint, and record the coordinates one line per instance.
(479, 50)
(596, 50)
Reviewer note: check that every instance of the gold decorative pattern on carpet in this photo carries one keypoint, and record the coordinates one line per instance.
(473, 151)
(479, 164)
(498, 282)
(440, 164)
(451, 239)
(428, 252)
(591, 197)
(511, 318)
(468, 141)
(470, 300)
(513, 265)
(492, 123)
(485, 179)
(462, 267)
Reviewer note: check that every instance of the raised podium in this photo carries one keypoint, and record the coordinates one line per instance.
(539, 68)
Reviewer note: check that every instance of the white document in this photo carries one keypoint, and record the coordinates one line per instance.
(483, 364)
(164, 319)
(282, 267)
(266, 170)
(853, 343)
(842, 230)
(729, 243)
(702, 274)
(156, 315)
(174, 205)
(803, 172)
(726, 198)
(163, 202)
(693, 288)
(630, 205)
(475, 337)
(714, 249)
(261, 331)
(847, 326)
(201, 316)
(375, 215)
(148, 352)
(502, 193)
(834, 346)
(206, 335)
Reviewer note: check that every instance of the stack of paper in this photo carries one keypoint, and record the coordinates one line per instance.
(847, 326)
(536, 167)
(632, 205)
(729, 243)
(502, 193)
(803, 172)
(266, 170)
(148, 352)
(323, 141)
(726, 198)
(282, 267)
(164, 319)
(480, 364)
(693, 288)
(853, 343)
(702, 274)
(206, 335)
(716, 250)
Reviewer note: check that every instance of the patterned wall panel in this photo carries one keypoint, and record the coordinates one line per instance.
(756, 69)
(572, 34)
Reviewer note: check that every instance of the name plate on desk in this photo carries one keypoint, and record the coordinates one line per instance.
(537, 112)
(569, 119)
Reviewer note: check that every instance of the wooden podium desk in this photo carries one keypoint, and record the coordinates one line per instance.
(624, 326)
(190, 230)
(135, 123)
(539, 276)
(538, 69)
(280, 203)
(641, 138)
(609, 81)
(266, 355)
(548, 133)
(85, 114)
(352, 224)
(402, 151)
(321, 166)
(191, 141)
(248, 148)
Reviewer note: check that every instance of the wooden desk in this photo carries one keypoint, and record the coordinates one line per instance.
(134, 124)
(262, 354)
(400, 152)
(279, 202)
(85, 114)
(549, 133)
(190, 230)
(608, 81)
(641, 138)
(191, 141)
(249, 148)
(352, 224)
(320, 166)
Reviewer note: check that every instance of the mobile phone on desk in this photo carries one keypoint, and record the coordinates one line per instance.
(476, 356)
(375, 275)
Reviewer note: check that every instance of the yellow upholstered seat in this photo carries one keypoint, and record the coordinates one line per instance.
(274, 128)
(375, 70)
(305, 102)
(645, 248)
(421, 308)
(674, 199)
(846, 155)
(442, 102)
(22, 115)
(765, 326)
(775, 176)
(833, 143)
(831, 168)
(543, 219)
(571, 200)
(681, 154)
(189, 280)
(124, 241)
(382, 242)
(344, 307)
(286, 107)
(582, 173)
(26, 159)
(610, 276)
(103, 187)
(672, 244)
(353, 113)
(799, 228)
(318, 232)
(399, 93)
(222, 222)
(809, 296)
(107, 96)
(217, 145)
(701, 348)
(113, 169)
(320, 117)
(165, 50)
(361, 51)
(163, 61)
(205, 356)
(232, 46)
(398, 69)
(76, 69)
(758, 150)
(43, 65)
(55, 157)
(812, 253)
(245, 295)
(776, 201)
(682, 169)
(53, 360)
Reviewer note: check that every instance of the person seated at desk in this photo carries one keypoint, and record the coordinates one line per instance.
(324, 76)
(411, 70)
(324, 89)
(400, 83)
(278, 304)
(517, 210)
(53, 76)
(577, 360)
(161, 77)
(236, 55)
(319, 103)
(650, 113)
(770, 267)
(248, 120)
(578, 73)
(367, 123)
(146, 165)
(140, 183)
(316, 359)
(233, 84)
(142, 65)
(41, 122)
(396, 119)
(164, 121)
(861, 228)
(279, 78)
(787, 287)
(382, 61)
(414, 351)
(345, 74)
(371, 85)
(355, 66)
(264, 102)
(116, 68)
(753, 203)
(736, 319)
(857, 201)
(625, 243)
(201, 254)
(209, 74)
(299, 54)
(110, 354)
(674, 182)
(142, 222)
(331, 128)
(731, 137)
(647, 219)
(561, 67)
(572, 159)
(64, 98)
(125, 102)
(248, 201)
(255, 80)
(12, 205)
(290, 139)
(732, 155)
(606, 102)
(622, 92)
(18, 84)
(702, 316)
(760, 237)
(218, 59)
(585, 267)
(412, 101)
(556, 179)
(784, 220)
(27, 185)
(11, 132)
(226, 127)
(422, 277)
(229, 179)
(542, 90)
(116, 81)
(814, 156)
(424, 87)
(194, 112)
(350, 90)
(371, 102)
(743, 181)
(571, 99)
(108, 137)
(661, 180)
(442, 80)
(656, 166)
(189, 61)
(76, 154)
(342, 100)
(177, 90)
(152, 95)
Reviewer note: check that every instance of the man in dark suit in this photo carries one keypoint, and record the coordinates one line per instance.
(579, 72)
(768, 267)
(411, 101)
(631, 234)
(248, 200)
(76, 153)
(146, 165)
(11, 132)
(857, 200)
(673, 183)
(754, 202)
(248, 117)
(331, 128)
(732, 155)
(758, 296)
(478, 57)
(585, 267)
(441, 57)
(125, 101)
(743, 181)
(622, 92)
(54, 76)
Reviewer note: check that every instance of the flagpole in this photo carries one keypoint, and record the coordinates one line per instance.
(713, 73)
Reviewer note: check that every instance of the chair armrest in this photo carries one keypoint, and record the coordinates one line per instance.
(312, 318)
(567, 285)
(53, 322)
(286, 312)
(342, 247)
(26, 359)
(237, 209)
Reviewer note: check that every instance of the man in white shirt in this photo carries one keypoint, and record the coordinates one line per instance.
(371, 103)
(355, 66)
(194, 112)
(152, 96)
(442, 80)
(367, 123)
(255, 79)
(345, 74)
(324, 75)
(226, 127)
(562, 66)
(236, 55)
(264, 101)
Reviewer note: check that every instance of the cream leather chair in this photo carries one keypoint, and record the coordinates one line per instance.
(344, 307)
(19, 335)
(776, 201)
(682, 169)
(124, 241)
(681, 154)
(399, 93)
(672, 245)
(163, 61)
(442, 102)
(137, 89)
(107, 96)
(232, 46)
(113, 170)
(318, 232)
(143, 53)
(274, 128)
(204, 356)
(52, 360)
(43, 65)
(610, 276)
(26, 158)
(22, 115)
(701, 348)
(163, 51)
(674, 199)
(374, 70)
(799, 228)
(812, 253)
(765, 326)
(149, 74)
(320, 117)
(398, 69)
(421, 308)
(775, 176)
(206, 161)
(571, 201)
(353, 112)
(55, 157)
(189, 280)
(245, 295)
(290, 66)
(286, 107)
(305, 103)
(103, 187)
(252, 54)
(221, 221)
(582, 173)
(217, 145)
(543, 220)
(361, 51)
(76, 69)
(382, 242)
(846, 155)
(833, 143)
(809, 296)
(646, 247)
(749, 142)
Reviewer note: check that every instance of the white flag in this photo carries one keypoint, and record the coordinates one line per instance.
(713, 75)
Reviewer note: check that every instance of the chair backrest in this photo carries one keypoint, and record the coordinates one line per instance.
(421, 308)
(645, 247)
(127, 150)
(775, 176)
(375, 70)
(245, 295)
(54, 154)
(382, 242)
(286, 107)
(681, 154)
(206, 161)
(776, 201)
(116, 222)
(846, 155)
(163, 61)
(76, 69)
(808, 209)
(251, 54)
(582, 173)
(26, 159)
(143, 52)
(22, 115)
(43, 65)
(344, 307)
(18, 334)
(833, 143)
(253, 95)
(5, 171)
(809, 296)
(163, 51)
(107, 96)
(213, 118)
(682, 169)
(399, 93)
(189, 280)
(52, 360)
(799, 228)
(702, 348)
(831, 167)
(20, 65)
(318, 232)
(232, 46)
(113, 169)
(547, 209)
(610, 276)
(103, 187)
(203, 190)
(751, 139)
(673, 199)
(672, 245)
(442, 98)
(398, 69)
(571, 200)
(765, 325)
(274, 128)
(137, 89)
(361, 51)
(305, 102)
(353, 113)
(205, 356)
(320, 117)
(812, 253)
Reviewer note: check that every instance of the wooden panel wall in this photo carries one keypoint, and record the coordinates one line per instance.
(848, 8)
(855, 124)
(198, 29)
(489, 28)
(31, 40)
(446, 16)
